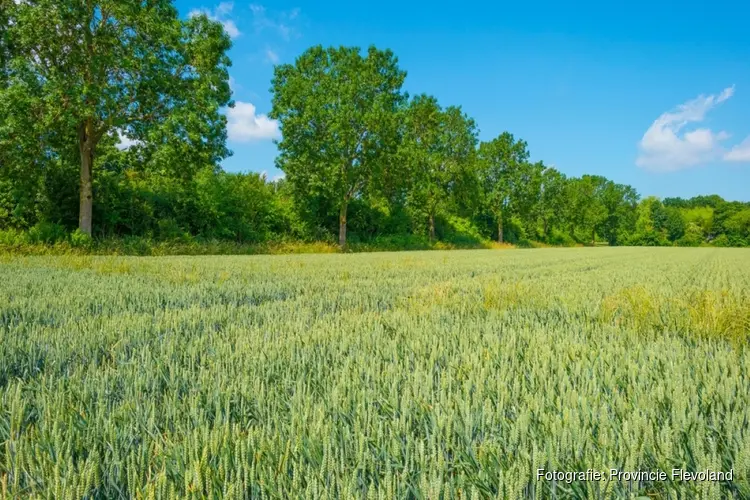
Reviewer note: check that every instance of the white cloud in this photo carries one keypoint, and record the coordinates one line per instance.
(278, 177)
(280, 22)
(741, 152)
(666, 147)
(224, 8)
(231, 28)
(220, 14)
(244, 125)
(272, 56)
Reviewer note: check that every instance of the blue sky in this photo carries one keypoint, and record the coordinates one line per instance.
(652, 94)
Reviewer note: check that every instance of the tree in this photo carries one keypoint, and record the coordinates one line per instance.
(620, 202)
(737, 226)
(337, 111)
(587, 205)
(650, 226)
(419, 152)
(438, 148)
(551, 199)
(85, 69)
(528, 191)
(675, 224)
(502, 165)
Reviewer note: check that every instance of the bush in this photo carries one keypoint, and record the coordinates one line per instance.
(460, 231)
(13, 238)
(47, 233)
(514, 231)
(525, 243)
(689, 240)
(721, 241)
(79, 239)
(392, 242)
(169, 229)
(561, 238)
(648, 239)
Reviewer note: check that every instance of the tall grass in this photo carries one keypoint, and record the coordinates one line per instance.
(390, 375)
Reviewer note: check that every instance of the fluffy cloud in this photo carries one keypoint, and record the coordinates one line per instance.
(231, 28)
(244, 125)
(280, 22)
(220, 14)
(741, 152)
(667, 147)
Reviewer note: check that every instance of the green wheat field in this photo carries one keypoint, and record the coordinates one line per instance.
(389, 375)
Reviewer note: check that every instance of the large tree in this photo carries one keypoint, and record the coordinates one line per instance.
(620, 202)
(504, 170)
(81, 70)
(437, 148)
(552, 199)
(338, 116)
(587, 207)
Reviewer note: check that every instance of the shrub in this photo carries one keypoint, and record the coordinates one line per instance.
(525, 243)
(47, 232)
(721, 241)
(460, 231)
(79, 239)
(561, 238)
(13, 237)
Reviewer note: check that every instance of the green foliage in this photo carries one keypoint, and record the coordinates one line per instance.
(552, 200)
(77, 74)
(721, 241)
(509, 182)
(360, 158)
(692, 237)
(79, 239)
(561, 238)
(675, 223)
(702, 216)
(337, 111)
(738, 224)
(439, 146)
(46, 232)
(460, 231)
(13, 238)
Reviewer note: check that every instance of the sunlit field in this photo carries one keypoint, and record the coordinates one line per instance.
(391, 375)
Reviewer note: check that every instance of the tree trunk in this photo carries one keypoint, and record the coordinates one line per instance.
(500, 228)
(432, 227)
(546, 228)
(86, 148)
(342, 225)
(593, 237)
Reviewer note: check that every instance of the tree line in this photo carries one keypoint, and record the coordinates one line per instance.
(363, 160)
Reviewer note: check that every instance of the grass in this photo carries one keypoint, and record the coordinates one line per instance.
(386, 375)
(138, 246)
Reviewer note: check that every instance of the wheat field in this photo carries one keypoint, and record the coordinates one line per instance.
(432, 375)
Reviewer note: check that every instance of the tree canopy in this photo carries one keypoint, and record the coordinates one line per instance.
(363, 162)
(337, 110)
(77, 71)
